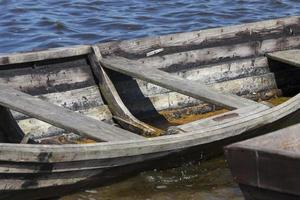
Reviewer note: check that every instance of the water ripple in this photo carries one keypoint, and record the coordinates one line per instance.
(27, 24)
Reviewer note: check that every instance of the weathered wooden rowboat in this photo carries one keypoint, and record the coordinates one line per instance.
(267, 167)
(111, 93)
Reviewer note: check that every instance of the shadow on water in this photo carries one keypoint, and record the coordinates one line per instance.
(195, 177)
(209, 180)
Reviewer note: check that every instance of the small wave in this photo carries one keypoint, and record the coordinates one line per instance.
(87, 21)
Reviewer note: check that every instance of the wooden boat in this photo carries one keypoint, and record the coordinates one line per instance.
(267, 167)
(55, 101)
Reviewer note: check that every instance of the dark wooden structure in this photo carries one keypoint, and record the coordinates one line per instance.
(107, 94)
(267, 167)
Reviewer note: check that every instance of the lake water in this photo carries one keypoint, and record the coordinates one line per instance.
(210, 180)
(37, 24)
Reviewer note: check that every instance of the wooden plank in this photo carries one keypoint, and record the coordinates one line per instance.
(168, 143)
(39, 129)
(53, 53)
(291, 57)
(62, 118)
(115, 103)
(268, 162)
(177, 60)
(175, 83)
(205, 38)
(81, 100)
(261, 87)
(244, 85)
(285, 141)
(221, 118)
(50, 76)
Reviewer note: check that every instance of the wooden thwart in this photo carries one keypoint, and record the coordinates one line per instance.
(291, 57)
(175, 83)
(114, 101)
(62, 118)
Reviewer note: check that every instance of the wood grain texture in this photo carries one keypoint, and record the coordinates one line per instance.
(181, 60)
(115, 103)
(250, 85)
(80, 100)
(27, 166)
(204, 38)
(54, 53)
(291, 57)
(39, 129)
(284, 141)
(193, 89)
(62, 118)
(48, 76)
(268, 162)
(53, 153)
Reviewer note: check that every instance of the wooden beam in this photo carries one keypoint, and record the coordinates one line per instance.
(291, 57)
(204, 38)
(53, 53)
(62, 118)
(175, 83)
(114, 101)
(221, 53)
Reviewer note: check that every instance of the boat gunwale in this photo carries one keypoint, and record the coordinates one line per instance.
(80, 50)
(143, 143)
(102, 150)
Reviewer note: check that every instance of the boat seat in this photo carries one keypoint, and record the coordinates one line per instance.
(60, 77)
(175, 83)
(291, 57)
(62, 118)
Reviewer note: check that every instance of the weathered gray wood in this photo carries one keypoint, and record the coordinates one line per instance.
(54, 53)
(243, 32)
(49, 76)
(114, 102)
(284, 141)
(77, 100)
(291, 57)
(61, 117)
(252, 84)
(51, 165)
(221, 53)
(164, 79)
(151, 145)
(39, 129)
(261, 87)
(221, 72)
(268, 162)
(220, 119)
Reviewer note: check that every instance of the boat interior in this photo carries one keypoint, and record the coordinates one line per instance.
(150, 87)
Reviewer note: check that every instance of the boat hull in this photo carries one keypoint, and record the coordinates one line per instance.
(228, 59)
(256, 193)
(267, 167)
(94, 173)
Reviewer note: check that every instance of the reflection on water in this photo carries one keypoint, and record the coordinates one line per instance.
(210, 180)
(31, 24)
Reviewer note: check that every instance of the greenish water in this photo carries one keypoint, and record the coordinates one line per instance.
(208, 180)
